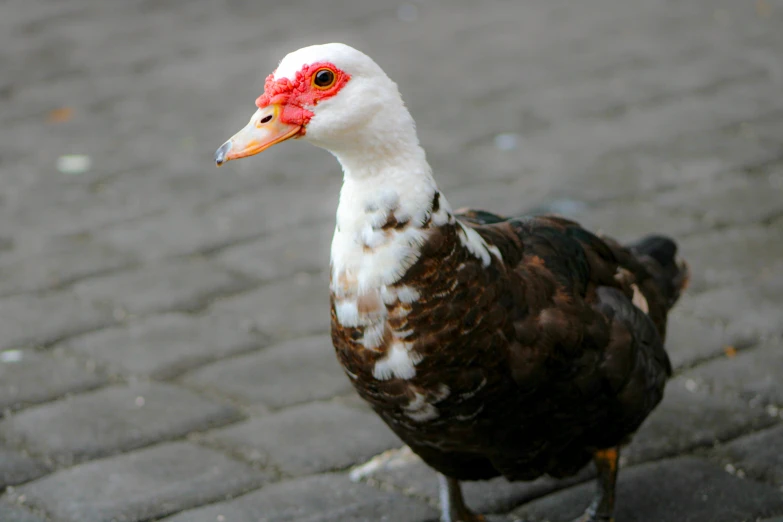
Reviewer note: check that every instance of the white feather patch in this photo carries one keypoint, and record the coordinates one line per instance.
(470, 416)
(443, 215)
(477, 246)
(387, 460)
(407, 294)
(372, 238)
(639, 300)
(373, 335)
(398, 362)
(347, 312)
(420, 410)
(468, 395)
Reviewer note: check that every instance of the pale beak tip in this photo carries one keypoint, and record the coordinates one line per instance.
(220, 154)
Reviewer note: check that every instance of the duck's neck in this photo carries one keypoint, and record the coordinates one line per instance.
(385, 211)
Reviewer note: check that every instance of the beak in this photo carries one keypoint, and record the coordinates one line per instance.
(262, 131)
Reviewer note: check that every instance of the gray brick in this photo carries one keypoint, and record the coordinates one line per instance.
(282, 254)
(70, 259)
(10, 513)
(294, 371)
(28, 320)
(141, 485)
(165, 345)
(754, 376)
(28, 377)
(727, 256)
(758, 456)
(310, 438)
(668, 491)
(16, 468)
(112, 420)
(629, 220)
(667, 162)
(748, 309)
(689, 341)
(176, 285)
(185, 231)
(293, 307)
(624, 105)
(735, 198)
(401, 470)
(322, 498)
(687, 419)
(177, 232)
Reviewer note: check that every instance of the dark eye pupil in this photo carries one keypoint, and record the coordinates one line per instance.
(324, 78)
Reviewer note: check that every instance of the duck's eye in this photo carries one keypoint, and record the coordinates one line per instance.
(323, 79)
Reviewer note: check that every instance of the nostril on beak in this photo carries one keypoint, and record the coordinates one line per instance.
(265, 119)
(220, 154)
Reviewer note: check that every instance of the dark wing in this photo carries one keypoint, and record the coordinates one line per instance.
(591, 315)
(478, 217)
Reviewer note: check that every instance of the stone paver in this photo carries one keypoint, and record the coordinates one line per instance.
(749, 308)
(292, 307)
(226, 222)
(16, 468)
(690, 418)
(631, 116)
(721, 257)
(736, 198)
(320, 498)
(288, 373)
(669, 491)
(162, 346)
(29, 377)
(31, 320)
(690, 341)
(310, 438)
(10, 513)
(111, 420)
(61, 263)
(753, 376)
(402, 470)
(282, 254)
(758, 456)
(141, 485)
(180, 285)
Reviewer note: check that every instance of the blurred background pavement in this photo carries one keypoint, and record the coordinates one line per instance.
(163, 325)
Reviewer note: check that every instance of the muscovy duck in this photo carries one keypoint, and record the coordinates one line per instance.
(490, 345)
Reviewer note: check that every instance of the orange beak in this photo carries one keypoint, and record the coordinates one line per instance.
(262, 131)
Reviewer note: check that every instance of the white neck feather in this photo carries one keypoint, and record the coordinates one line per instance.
(385, 173)
(389, 207)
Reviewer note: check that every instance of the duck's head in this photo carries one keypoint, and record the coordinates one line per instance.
(331, 95)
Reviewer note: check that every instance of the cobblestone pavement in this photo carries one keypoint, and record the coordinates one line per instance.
(164, 324)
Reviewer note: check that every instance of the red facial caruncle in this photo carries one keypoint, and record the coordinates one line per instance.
(284, 110)
(313, 83)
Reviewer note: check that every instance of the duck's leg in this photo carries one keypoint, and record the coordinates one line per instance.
(452, 505)
(602, 508)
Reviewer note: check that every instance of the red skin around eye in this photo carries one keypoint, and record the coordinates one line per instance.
(294, 95)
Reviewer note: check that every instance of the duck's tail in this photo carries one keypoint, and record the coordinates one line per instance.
(671, 273)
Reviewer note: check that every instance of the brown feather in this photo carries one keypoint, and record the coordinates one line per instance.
(529, 364)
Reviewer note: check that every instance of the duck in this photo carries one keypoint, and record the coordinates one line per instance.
(491, 345)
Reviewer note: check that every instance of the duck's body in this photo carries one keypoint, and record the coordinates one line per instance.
(523, 366)
(491, 346)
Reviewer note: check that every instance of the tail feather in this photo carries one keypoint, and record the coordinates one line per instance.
(660, 255)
